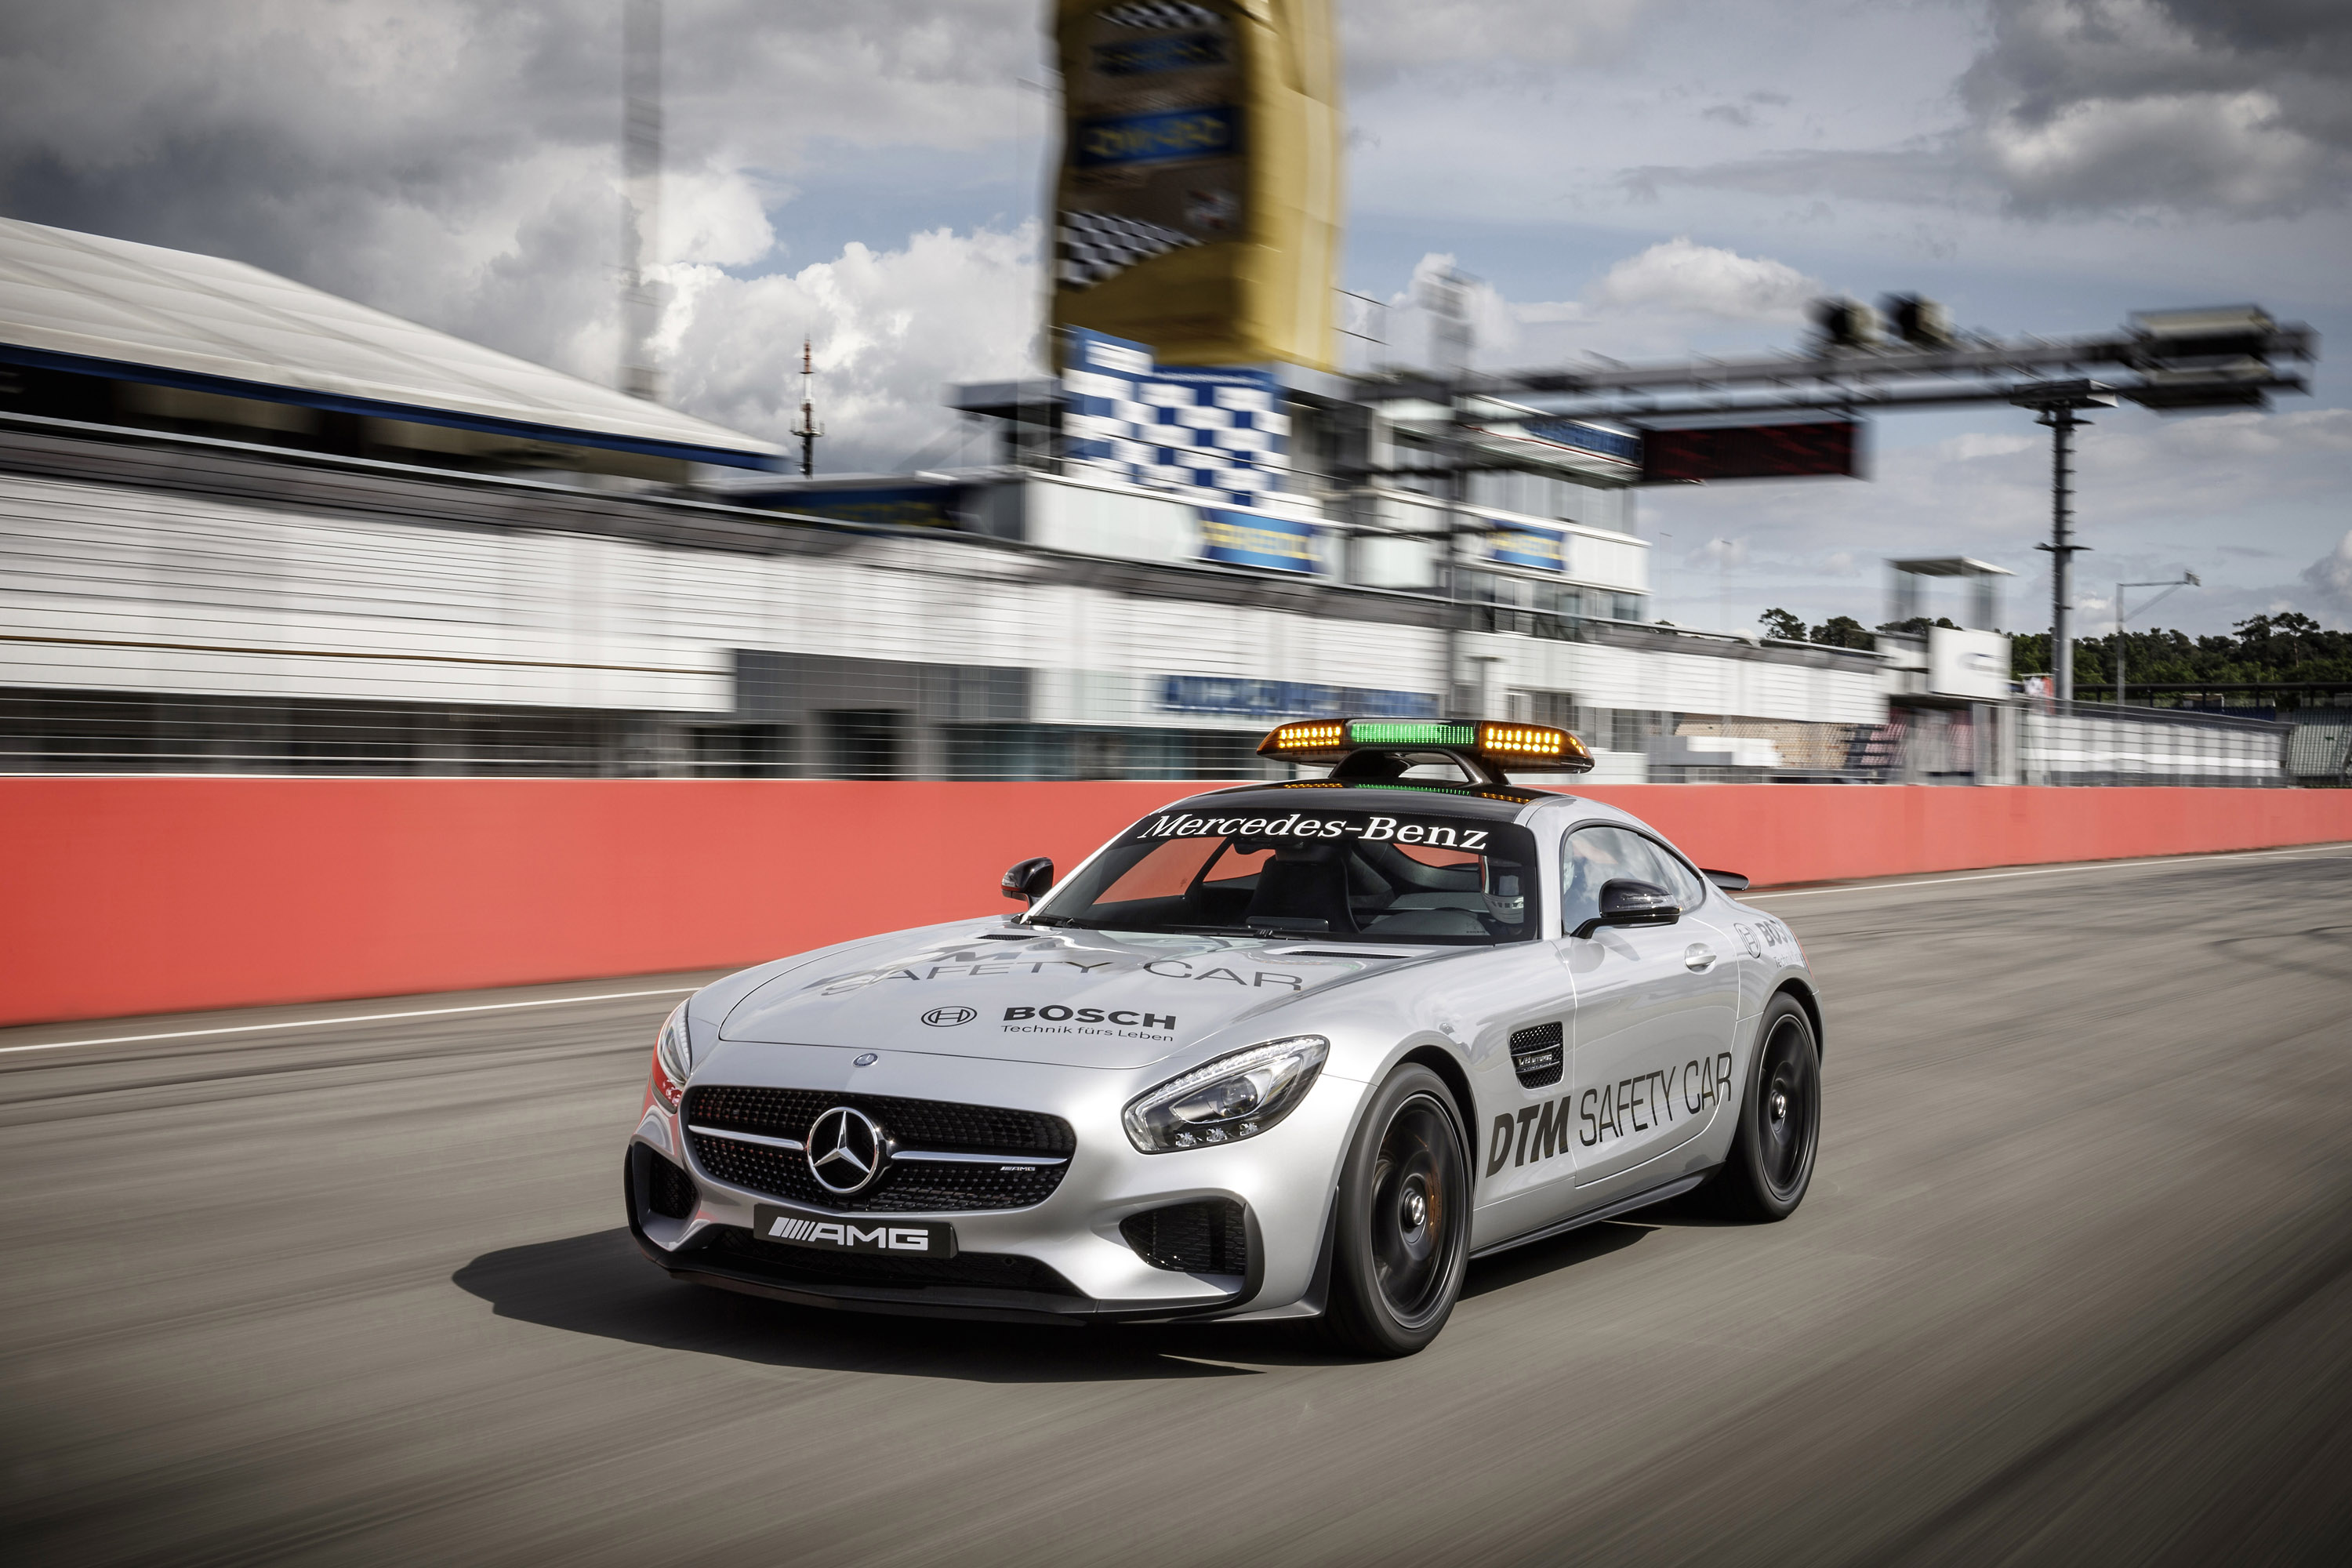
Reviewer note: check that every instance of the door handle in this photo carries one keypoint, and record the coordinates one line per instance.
(1698, 957)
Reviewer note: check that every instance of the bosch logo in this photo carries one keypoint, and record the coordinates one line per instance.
(949, 1017)
(845, 1151)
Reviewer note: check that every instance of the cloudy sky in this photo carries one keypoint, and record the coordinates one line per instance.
(1628, 177)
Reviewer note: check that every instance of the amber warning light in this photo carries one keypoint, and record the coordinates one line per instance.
(1527, 747)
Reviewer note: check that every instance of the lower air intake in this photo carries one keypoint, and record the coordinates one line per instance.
(1204, 1238)
(669, 1191)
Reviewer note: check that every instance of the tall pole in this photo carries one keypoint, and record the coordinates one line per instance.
(2062, 420)
(641, 127)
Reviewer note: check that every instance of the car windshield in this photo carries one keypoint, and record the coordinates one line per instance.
(1361, 876)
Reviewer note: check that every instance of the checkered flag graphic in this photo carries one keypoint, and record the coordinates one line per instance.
(1096, 245)
(1160, 16)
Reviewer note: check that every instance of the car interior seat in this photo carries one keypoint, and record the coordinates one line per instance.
(1304, 886)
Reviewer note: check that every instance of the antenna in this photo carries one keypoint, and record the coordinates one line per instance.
(806, 427)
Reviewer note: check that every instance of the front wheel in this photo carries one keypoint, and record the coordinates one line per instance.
(1771, 1161)
(1403, 1218)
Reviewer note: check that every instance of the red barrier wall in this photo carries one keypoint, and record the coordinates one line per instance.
(126, 896)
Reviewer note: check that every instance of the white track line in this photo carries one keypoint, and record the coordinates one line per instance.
(2039, 872)
(355, 1018)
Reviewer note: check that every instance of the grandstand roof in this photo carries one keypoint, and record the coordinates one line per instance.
(102, 307)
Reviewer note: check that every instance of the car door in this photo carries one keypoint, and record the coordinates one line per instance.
(1655, 1007)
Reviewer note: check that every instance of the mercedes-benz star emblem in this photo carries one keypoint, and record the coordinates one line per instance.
(845, 1151)
(948, 1017)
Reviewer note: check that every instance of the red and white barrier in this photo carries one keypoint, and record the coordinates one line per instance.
(127, 896)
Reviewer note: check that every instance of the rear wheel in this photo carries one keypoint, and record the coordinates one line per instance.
(1771, 1161)
(1403, 1218)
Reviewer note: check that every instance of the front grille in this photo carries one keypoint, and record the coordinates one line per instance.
(907, 1186)
(1204, 1238)
(745, 1255)
(669, 1191)
(1538, 1056)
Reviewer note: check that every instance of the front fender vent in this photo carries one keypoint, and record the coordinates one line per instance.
(1538, 1056)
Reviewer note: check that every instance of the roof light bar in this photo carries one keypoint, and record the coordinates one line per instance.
(1538, 747)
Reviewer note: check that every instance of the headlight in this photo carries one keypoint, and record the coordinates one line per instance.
(673, 1058)
(1235, 1097)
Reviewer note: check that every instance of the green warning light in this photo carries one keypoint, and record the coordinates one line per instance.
(1407, 733)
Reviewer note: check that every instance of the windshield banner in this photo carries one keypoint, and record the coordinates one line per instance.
(1300, 826)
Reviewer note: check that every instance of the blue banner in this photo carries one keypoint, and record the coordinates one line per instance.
(1244, 699)
(1517, 544)
(1614, 445)
(1170, 136)
(1248, 539)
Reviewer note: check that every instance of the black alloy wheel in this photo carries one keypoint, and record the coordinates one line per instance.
(1772, 1154)
(1403, 1217)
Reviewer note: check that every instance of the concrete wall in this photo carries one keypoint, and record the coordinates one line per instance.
(128, 896)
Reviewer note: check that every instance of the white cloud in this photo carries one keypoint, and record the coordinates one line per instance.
(2331, 577)
(716, 216)
(2227, 150)
(1682, 278)
(893, 329)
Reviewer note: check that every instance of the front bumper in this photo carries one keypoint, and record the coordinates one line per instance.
(1061, 1260)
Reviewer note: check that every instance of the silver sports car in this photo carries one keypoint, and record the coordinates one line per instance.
(1283, 1050)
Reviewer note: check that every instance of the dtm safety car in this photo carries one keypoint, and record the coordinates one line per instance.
(1295, 1049)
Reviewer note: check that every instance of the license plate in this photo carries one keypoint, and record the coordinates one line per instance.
(853, 1233)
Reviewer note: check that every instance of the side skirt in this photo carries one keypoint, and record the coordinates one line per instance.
(1640, 1200)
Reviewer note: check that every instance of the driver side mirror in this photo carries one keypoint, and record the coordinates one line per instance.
(1029, 881)
(1626, 902)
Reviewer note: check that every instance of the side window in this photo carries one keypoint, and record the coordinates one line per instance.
(1688, 887)
(1594, 856)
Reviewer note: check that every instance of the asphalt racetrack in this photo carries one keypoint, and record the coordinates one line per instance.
(2073, 1285)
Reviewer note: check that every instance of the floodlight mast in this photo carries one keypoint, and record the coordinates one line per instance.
(2059, 401)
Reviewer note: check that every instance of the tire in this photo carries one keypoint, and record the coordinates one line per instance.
(1403, 1219)
(1772, 1154)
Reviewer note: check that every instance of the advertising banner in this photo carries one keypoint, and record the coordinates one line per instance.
(1593, 440)
(1249, 539)
(1197, 208)
(1243, 698)
(1517, 544)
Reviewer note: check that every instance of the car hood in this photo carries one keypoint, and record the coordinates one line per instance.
(1068, 998)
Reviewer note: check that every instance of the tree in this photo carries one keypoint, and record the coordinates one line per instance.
(1844, 631)
(2282, 648)
(1783, 624)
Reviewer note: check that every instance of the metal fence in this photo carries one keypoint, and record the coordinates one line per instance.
(2319, 753)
